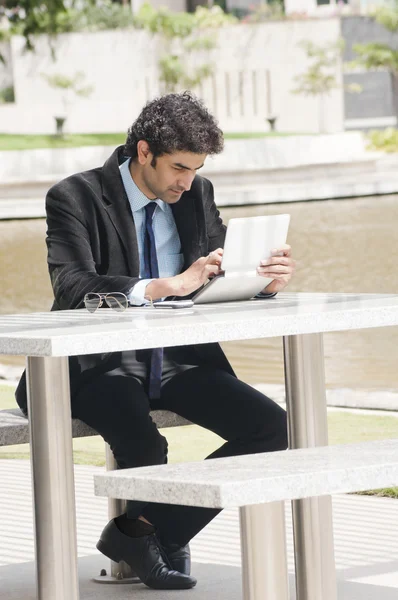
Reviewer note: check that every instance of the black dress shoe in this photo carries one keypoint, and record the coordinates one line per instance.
(179, 557)
(144, 555)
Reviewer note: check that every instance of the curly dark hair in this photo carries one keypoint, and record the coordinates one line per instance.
(175, 123)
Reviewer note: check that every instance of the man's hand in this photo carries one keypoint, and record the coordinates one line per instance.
(280, 268)
(198, 273)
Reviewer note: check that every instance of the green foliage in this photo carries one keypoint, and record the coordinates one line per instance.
(165, 22)
(171, 71)
(73, 84)
(187, 37)
(102, 16)
(32, 17)
(320, 76)
(173, 25)
(374, 56)
(386, 140)
(212, 18)
(7, 95)
(4, 37)
(387, 16)
(272, 10)
(382, 56)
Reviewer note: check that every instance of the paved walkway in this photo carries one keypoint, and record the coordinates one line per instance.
(366, 543)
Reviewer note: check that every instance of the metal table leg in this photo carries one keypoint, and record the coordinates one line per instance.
(120, 572)
(264, 556)
(307, 417)
(53, 479)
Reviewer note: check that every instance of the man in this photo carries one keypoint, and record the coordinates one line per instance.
(146, 225)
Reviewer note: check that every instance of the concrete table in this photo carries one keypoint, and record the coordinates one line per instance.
(47, 339)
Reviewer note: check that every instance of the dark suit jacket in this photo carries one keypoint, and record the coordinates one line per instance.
(92, 247)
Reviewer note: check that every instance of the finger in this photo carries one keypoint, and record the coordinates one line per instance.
(214, 257)
(277, 260)
(277, 268)
(284, 250)
(279, 276)
(219, 251)
(211, 270)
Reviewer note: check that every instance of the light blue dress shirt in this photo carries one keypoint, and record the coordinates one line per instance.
(168, 245)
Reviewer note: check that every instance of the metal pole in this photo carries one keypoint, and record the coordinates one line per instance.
(52, 476)
(307, 418)
(120, 572)
(264, 557)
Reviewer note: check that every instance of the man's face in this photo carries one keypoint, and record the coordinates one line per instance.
(172, 174)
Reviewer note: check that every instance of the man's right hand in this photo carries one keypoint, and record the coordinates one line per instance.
(198, 273)
(188, 281)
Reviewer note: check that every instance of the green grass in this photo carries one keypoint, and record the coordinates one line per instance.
(192, 443)
(30, 142)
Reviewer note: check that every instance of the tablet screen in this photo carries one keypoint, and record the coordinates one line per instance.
(251, 239)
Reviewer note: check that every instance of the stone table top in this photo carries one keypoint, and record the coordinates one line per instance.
(72, 332)
(258, 478)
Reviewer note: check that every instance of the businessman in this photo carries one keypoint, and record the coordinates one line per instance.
(145, 225)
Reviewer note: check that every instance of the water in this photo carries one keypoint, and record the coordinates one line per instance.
(340, 246)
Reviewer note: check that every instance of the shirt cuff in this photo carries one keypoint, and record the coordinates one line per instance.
(136, 296)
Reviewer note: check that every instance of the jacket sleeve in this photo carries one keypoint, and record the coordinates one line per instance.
(215, 227)
(70, 256)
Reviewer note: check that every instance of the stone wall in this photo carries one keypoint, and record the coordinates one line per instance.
(255, 70)
(373, 107)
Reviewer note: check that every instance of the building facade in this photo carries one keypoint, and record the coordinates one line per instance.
(319, 7)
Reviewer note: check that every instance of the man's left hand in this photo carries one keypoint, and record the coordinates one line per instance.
(280, 268)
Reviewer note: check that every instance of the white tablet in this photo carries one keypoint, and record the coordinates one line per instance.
(248, 241)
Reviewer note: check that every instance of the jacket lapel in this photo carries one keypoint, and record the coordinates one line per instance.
(188, 215)
(117, 206)
(190, 227)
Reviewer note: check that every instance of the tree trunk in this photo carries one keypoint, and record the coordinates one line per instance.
(394, 90)
(321, 113)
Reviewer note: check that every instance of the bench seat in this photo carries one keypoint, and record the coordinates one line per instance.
(14, 426)
(258, 478)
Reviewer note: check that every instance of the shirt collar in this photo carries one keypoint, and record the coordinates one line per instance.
(137, 199)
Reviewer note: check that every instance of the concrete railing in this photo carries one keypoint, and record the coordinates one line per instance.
(48, 164)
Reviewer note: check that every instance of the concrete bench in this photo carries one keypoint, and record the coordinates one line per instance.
(14, 426)
(259, 478)
(253, 480)
(14, 429)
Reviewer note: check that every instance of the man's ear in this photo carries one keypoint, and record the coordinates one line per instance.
(143, 152)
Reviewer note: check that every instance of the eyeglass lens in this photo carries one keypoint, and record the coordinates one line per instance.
(116, 301)
(92, 301)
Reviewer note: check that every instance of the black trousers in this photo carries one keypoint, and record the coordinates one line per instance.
(118, 408)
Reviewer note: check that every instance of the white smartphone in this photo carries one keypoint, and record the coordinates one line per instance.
(173, 304)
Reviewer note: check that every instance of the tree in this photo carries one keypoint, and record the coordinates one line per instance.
(187, 39)
(52, 17)
(320, 77)
(31, 17)
(69, 86)
(376, 55)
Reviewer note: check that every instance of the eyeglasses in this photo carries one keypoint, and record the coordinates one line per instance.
(115, 300)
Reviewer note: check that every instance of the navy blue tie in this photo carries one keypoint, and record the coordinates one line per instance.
(151, 271)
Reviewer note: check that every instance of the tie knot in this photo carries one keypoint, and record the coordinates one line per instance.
(150, 209)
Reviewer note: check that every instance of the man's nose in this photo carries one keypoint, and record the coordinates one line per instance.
(185, 181)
